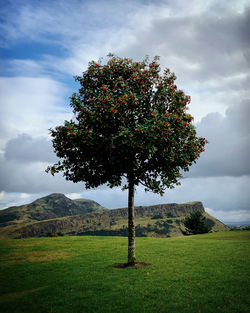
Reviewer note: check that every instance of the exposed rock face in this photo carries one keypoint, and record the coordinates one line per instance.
(169, 209)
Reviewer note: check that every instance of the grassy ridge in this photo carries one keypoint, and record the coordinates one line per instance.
(203, 273)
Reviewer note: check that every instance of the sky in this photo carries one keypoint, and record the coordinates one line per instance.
(44, 44)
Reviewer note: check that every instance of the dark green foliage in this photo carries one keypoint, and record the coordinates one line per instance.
(7, 217)
(169, 215)
(160, 227)
(129, 121)
(196, 223)
(123, 232)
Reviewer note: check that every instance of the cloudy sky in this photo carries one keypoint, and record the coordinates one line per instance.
(206, 43)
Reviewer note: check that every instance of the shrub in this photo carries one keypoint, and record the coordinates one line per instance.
(196, 223)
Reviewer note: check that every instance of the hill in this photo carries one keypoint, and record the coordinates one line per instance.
(85, 217)
(52, 206)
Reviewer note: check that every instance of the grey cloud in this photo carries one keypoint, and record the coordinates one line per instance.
(200, 46)
(31, 178)
(228, 151)
(24, 148)
(23, 164)
(238, 117)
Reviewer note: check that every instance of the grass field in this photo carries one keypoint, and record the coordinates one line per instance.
(203, 273)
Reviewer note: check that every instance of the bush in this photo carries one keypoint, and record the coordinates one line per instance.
(246, 228)
(196, 223)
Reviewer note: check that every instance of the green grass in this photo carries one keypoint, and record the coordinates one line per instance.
(203, 273)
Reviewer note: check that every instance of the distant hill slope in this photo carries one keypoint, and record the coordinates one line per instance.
(52, 206)
(164, 220)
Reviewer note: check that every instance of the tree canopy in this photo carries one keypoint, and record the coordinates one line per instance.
(131, 120)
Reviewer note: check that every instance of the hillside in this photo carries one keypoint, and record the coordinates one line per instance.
(86, 217)
(52, 206)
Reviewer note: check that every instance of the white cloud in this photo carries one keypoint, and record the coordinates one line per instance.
(24, 195)
(2, 194)
(31, 105)
(15, 199)
(74, 195)
(18, 67)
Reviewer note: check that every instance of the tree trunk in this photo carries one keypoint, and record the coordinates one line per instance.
(131, 225)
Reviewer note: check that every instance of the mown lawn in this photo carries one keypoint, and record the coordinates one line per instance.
(204, 273)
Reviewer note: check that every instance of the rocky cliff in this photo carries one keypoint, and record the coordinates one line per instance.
(169, 209)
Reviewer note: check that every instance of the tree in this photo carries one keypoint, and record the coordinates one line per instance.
(130, 121)
(195, 223)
